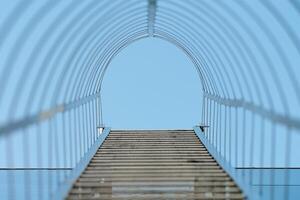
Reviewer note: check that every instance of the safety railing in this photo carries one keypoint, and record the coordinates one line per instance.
(40, 152)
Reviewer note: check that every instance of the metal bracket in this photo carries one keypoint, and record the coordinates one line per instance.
(203, 127)
(100, 129)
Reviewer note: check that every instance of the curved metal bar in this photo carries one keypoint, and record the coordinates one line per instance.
(30, 61)
(128, 43)
(208, 47)
(127, 39)
(129, 28)
(84, 45)
(182, 45)
(202, 45)
(296, 4)
(174, 33)
(240, 44)
(253, 59)
(82, 40)
(38, 77)
(99, 66)
(195, 51)
(74, 91)
(76, 53)
(208, 26)
(13, 56)
(82, 74)
(266, 56)
(294, 39)
(97, 84)
(74, 86)
(194, 30)
(208, 81)
(5, 30)
(49, 76)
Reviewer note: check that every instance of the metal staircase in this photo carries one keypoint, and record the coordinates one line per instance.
(154, 164)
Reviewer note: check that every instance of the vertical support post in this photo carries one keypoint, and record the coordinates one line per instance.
(98, 111)
(100, 125)
(151, 16)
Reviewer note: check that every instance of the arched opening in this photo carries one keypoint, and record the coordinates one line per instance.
(151, 84)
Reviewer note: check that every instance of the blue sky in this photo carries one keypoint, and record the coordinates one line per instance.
(151, 84)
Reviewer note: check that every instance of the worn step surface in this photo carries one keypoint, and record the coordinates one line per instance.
(154, 165)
